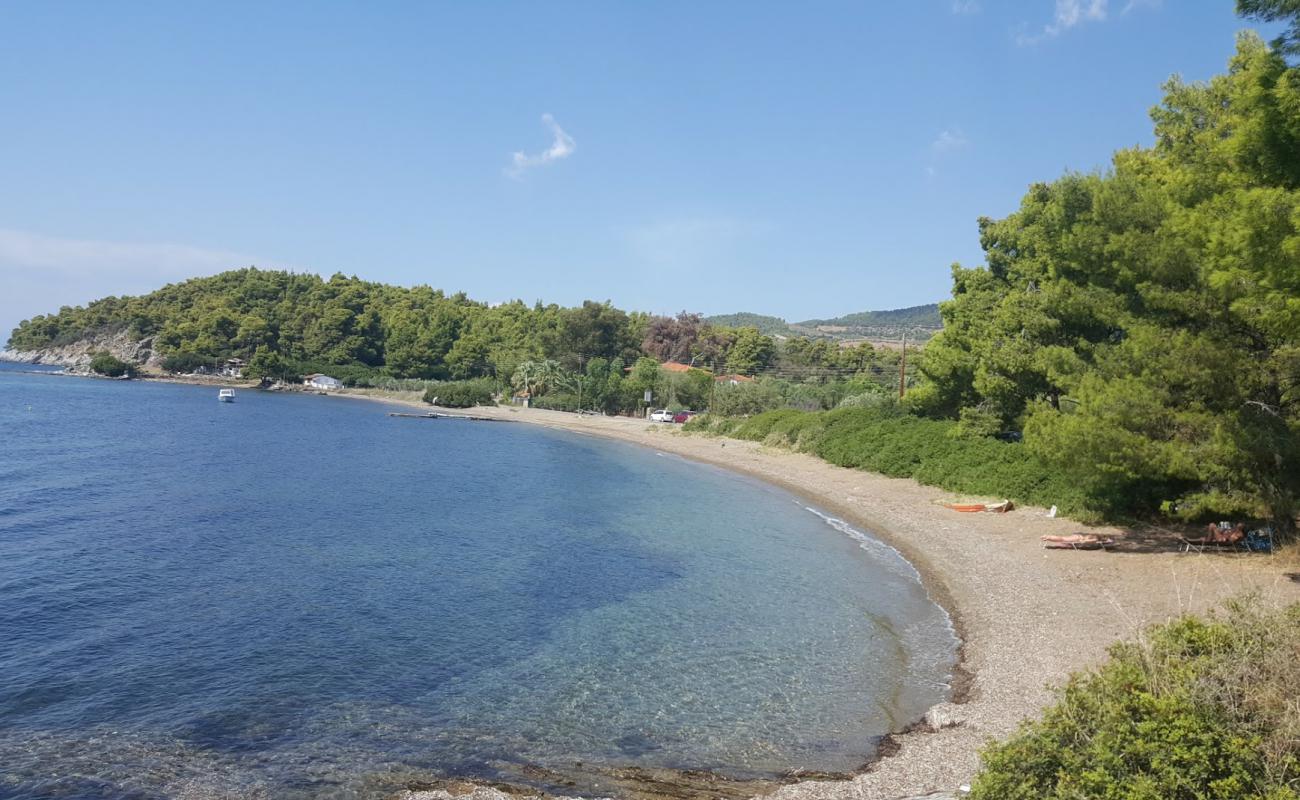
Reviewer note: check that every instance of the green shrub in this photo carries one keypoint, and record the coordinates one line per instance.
(185, 362)
(871, 399)
(711, 424)
(462, 394)
(700, 423)
(798, 431)
(882, 437)
(104, 363)
(757, 428)
(745, 398)
(556, 401)
(1198, 709)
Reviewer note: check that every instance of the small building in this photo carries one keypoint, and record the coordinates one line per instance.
(524, 399)
(233, 368)
(674, 366)
(321, 382)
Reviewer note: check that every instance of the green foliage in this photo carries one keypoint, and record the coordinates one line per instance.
(557, 401)
(602, 386)
(536, 378)
(873, 399)
(106, 364)
(462, 394)
(343, 322)
(1287, 11)
(1198, 709)
(711, 425)
(758, 427)
(886, 439)
(1140, 325)
(689, 389)
(917, 316)
(752, 397)
(750, 351)
(772, 326)
(266, 363)
(185, 363)
(918, 321)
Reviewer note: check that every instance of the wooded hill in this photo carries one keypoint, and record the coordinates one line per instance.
(918, 322)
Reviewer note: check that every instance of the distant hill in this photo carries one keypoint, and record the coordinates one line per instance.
(772, 326)
(918, 322)
(926, 316)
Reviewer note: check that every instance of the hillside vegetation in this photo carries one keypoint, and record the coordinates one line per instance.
(872, 432)
(924, 317)
(918, 322)
(772, 326)
(1140, 326)
(593, 356)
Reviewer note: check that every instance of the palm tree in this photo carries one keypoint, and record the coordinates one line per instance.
(538, 377)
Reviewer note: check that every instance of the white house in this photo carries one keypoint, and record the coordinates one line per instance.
(322, 382)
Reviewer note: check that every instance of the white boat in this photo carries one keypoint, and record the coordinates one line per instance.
(226, 395)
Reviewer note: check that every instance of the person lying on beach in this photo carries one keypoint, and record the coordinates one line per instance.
(1076, 541)
(1074, 538)
(1221, 535)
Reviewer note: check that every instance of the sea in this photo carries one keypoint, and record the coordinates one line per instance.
(297, 596)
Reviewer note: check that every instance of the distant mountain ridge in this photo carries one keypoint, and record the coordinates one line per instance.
(772, 326)
(918, 322)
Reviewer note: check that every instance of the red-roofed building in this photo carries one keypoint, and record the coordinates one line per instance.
(734, 380)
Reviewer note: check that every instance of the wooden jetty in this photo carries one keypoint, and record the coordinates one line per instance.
(441, 415)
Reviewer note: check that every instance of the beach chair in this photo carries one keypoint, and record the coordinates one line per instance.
(1221, 537)
(1076, 541)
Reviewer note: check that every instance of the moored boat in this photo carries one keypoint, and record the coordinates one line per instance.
(226, 395)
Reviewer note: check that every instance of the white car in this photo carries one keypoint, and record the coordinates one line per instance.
(662, 415)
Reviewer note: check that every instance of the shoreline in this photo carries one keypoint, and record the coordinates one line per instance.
(1025, 617)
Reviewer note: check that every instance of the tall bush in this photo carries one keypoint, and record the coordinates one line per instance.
(462, 394)
(1198, 709)
(107, 364)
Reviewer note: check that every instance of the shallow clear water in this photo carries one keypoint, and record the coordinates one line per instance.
(299, 596)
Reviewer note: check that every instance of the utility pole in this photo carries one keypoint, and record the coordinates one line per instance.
(902, 369)
(713, 385)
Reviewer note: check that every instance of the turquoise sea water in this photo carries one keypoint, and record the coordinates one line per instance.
(299, 596)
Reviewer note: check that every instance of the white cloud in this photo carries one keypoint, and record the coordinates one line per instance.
(1135, 4)
(1069, 13)
(949, 140)
(965, 7)
(561, 147)
(41, 273)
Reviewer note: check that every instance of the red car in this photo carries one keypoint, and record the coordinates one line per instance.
(682, 416)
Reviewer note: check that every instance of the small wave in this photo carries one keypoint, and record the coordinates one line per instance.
(882, 552)
(935, 654)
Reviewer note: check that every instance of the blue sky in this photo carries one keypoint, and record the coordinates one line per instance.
(802, 160)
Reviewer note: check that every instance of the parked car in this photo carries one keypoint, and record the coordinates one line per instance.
(662, 415)
(682, 416)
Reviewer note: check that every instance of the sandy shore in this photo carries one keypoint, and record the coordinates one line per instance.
(1027, 616)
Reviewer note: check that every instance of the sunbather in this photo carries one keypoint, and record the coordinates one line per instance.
(1076, 541)
(1074, 538)
(1218, 534)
